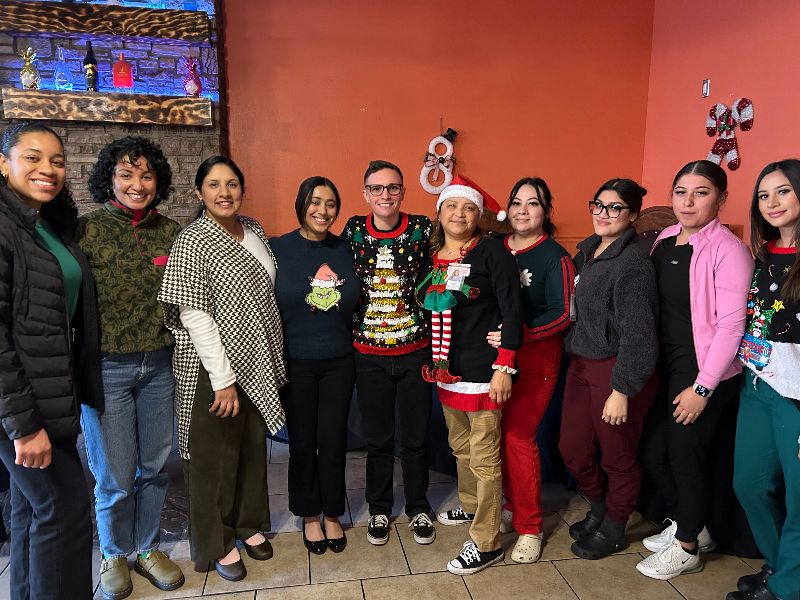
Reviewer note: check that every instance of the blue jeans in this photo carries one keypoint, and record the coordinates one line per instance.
(127, 445)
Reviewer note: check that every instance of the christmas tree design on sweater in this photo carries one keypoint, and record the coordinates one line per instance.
(386, 317)
(387, 320)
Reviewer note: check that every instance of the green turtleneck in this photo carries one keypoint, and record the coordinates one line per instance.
(70, 268)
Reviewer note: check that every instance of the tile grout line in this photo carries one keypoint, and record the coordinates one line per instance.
(363, 591)
(466, 587)
(569, 585)
(403, 548)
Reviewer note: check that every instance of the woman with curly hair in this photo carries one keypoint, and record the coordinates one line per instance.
(129, 434)
(48, 363)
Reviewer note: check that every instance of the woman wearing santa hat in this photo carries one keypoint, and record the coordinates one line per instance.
(471, 287)
(317, 291)
(546, 276)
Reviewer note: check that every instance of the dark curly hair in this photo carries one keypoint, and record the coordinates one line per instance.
(61, 212)
(134, 148)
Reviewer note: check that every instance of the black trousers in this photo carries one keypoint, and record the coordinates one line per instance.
(317, 402)
(678, 457)
(226, 476)
(390, 386)
(51, 531)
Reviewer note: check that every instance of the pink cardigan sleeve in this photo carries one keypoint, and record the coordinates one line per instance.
(732, 275)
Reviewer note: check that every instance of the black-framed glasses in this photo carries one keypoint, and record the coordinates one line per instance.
(612, 210)
(377, 190)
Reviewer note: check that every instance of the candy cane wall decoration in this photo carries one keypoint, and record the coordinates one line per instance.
(723, 121)
(437, 171)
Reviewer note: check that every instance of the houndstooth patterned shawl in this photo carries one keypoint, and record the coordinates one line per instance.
(210, 271)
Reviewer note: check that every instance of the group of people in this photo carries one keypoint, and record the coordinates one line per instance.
(114, 321)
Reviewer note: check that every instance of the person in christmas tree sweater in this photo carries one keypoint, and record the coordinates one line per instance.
(472, 285)
(391, 342)
(766, 460)
(546, 276)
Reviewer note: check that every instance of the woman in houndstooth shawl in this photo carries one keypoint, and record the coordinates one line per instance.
(219, 303)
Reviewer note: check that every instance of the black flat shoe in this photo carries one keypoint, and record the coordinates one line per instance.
(337, 544)
(232, 572)
(317, 547)
(262, 551)
(597, 545)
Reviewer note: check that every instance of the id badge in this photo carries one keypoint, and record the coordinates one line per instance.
(456, 274)
(573, 309)
(755, 351)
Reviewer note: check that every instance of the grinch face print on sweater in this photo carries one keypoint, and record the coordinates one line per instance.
(323, 294)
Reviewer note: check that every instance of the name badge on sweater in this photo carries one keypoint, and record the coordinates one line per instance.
(456, 274)
(573, 310)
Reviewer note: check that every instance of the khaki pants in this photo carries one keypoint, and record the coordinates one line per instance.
(475, 440)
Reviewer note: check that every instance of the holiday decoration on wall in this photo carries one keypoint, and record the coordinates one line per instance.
(437, 171)
(191, 82)
(723, 121)
(29, 74)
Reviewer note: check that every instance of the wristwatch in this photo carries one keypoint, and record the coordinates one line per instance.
(702, 390)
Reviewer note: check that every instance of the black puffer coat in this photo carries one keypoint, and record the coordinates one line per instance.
(40, 353)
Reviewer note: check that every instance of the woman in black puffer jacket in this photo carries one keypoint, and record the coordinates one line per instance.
(49, 363)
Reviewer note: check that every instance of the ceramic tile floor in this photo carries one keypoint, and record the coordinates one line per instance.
(403, 569)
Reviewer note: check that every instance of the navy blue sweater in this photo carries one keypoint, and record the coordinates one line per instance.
(317, 291)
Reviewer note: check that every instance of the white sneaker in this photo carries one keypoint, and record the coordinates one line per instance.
(528, 548)
(670, 562)
(657, 542)
(505, 521)
(705, 542)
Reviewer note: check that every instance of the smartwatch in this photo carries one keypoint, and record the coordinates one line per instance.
(702, 390)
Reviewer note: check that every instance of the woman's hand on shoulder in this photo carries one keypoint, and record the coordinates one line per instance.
(226, 402)
(689, 406)
(500, 387)
(615, 410)
(34, 450)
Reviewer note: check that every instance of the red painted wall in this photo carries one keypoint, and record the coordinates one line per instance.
(534, 87)
(748, 48)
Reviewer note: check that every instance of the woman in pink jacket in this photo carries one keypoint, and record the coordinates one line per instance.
(703, 272)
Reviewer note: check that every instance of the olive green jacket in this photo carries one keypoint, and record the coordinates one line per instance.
(127, 252)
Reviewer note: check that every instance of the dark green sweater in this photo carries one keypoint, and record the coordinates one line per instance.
(127, 252)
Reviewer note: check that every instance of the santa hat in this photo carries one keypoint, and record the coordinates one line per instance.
(463, 187)
(325, 277)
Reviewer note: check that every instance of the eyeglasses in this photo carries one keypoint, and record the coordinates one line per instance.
(612, 210)
(394, 189)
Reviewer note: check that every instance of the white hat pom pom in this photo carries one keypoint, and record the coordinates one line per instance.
(501, 216)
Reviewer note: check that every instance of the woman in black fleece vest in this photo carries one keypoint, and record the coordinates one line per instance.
(614, 350)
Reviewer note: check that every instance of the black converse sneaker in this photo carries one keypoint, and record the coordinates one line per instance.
(471, 560)
(378, 530)
(455, 516)
(422, 526)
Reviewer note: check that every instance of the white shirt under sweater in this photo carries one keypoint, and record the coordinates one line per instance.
(204, 331)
